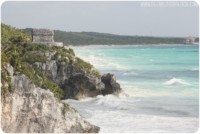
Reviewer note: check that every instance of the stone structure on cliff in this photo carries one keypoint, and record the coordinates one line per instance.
(44, 36)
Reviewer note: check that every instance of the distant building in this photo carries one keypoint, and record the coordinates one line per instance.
(190, 39)
(44, 36)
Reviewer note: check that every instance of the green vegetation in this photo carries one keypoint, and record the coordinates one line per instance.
(18, 54)
(81, 64)
(90, 38)
(68, 56)
(6, 83)
(64, 109)
(18, 51)
(32, 58)
(65, 55)
(13, 35)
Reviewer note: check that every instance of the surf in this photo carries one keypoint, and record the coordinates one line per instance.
(176, 82)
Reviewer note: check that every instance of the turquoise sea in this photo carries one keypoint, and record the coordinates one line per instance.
(160, 83)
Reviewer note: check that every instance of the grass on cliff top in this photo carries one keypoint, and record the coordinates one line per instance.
(81, 64)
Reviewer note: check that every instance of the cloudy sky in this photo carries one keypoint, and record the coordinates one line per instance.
(126, 18)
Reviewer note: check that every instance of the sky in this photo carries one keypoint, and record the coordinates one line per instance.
(168, 19)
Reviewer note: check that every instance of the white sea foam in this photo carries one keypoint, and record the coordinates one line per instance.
(141, 123)
(115, 114)
(99, 61)
(130, 73)
(111, 101)
(175, 81)
(195, 69)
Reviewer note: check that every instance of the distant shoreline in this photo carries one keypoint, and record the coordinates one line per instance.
(95, 38)
(127, 45)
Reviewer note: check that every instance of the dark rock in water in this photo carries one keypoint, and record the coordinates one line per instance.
(80, 85)
(111, 86)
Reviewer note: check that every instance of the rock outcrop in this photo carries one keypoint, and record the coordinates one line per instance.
(76, 83)
(81, 86)
(111, 86)
(30, 109)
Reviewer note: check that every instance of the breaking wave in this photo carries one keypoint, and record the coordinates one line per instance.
(112, 101)
(175, 81)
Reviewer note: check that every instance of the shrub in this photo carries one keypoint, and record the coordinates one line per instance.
(64, 109)
(12, 35)
(32, 58)
(81, 64)
(53, 87)
(6, 83)
(64, 55)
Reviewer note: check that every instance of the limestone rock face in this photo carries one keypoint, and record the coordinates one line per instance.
(30, 109)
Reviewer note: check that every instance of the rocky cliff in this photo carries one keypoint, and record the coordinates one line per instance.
(31, 109)
(76, 82)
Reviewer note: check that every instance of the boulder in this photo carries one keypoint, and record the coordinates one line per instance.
(80, 86)
(111, 86)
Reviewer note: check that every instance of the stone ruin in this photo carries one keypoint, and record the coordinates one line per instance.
(44, 36)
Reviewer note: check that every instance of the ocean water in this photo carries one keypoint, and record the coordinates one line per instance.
(160, 83)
